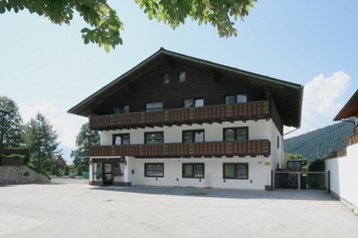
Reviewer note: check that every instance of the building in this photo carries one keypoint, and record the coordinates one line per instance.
(342, 166)
(175, 120)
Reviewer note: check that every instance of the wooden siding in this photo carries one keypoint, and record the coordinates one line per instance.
(209, 114)
(239, 148)
(352, 139)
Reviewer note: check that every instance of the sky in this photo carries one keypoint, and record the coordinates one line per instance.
(47, 68)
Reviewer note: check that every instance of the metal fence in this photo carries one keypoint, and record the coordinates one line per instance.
(300, 180)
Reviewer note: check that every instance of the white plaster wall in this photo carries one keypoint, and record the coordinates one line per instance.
(259, 173)
(344, 176)
(260, 129)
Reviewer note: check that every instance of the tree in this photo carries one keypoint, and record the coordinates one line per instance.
(85, 140)
(295, 156)
(40, 139)
(10, 123)
(106, 25)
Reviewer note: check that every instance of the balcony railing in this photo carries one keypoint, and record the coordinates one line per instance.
(352, 139)
(209, 114)
(238, 148)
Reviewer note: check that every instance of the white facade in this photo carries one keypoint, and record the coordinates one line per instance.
(344, 176)
(259, 167)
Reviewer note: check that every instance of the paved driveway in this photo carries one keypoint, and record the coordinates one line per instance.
(73, 209)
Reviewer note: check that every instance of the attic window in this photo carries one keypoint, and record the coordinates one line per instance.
(121, 109)
(182, 76)
(166, 79)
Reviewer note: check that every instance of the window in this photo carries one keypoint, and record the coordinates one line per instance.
(193, 136)
(235, 98)
(182, 76)
(154, 106)
(121, 109)
(120, 139)
(191, 102)
(154, 138)
(154, 169)
(236, 134)
(236, 171)
(166, 78)
(191, 170)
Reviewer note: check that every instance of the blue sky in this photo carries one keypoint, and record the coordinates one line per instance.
(47, 68)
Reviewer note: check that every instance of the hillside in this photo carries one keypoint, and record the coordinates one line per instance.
(319, 143)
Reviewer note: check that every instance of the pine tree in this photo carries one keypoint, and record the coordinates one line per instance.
(10, 123)
(85, 140)
(40, 139)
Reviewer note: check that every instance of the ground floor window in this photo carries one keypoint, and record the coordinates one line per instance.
(191, 170)
(154, 169)
(236, 171)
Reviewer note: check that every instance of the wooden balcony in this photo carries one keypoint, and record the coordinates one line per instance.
(352, 139)
(209, 114)
(207, 149)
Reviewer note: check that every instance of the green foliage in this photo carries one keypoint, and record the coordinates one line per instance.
(85, 140)
(66, 171)
(10, 123)
(294, 156)
(79, 171)
(13, 156)
(54, 170)
(219, 13)
(317, 166)
(105, 25)
(40, 140)
(320, 143)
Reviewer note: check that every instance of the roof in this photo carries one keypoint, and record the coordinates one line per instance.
(287, 95)
(350, 109)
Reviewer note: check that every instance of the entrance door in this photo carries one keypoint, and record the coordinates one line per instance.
(107, 174)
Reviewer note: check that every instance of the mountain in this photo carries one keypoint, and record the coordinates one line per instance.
(320, 143)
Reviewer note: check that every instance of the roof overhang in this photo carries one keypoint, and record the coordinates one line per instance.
(287, 95)
(350, 109)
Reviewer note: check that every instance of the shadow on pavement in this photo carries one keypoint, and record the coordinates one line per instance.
(315, 195)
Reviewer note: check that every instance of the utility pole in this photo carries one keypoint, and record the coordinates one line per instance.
(3, 113)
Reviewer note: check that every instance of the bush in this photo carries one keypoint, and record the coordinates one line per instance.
(79, 171)
(317, 166)
(66, 172)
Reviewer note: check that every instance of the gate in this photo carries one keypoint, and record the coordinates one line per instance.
(300, 180)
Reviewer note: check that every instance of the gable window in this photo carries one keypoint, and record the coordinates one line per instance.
(120, 139)
(166, 79)
(194, 136)
(182, 76)
(194, 102)
(236, 171)
(153, 138)
(154, 169)
(193, 170)
(154, 106)
(235, 98)
(121, 109)
(236, 134)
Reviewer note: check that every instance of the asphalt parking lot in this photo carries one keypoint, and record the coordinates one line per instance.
(70, 208)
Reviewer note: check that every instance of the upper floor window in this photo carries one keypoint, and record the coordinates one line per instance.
(121, 109)
(182, 76)
(191, 102)
(166, 78)
(154, 138)
(154, 106)
(236, 134)
(120, 139)
(235, 98)
(193, 136)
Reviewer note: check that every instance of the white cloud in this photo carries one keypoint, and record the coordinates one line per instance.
(322, 100)
(67, 126)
